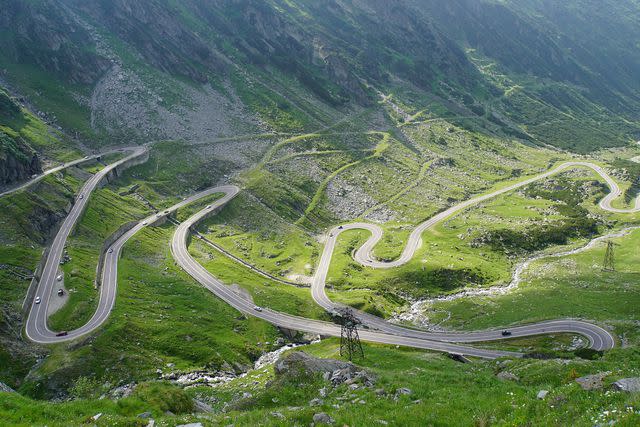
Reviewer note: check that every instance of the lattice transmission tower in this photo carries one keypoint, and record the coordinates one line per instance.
(349, 339)
(609, 261)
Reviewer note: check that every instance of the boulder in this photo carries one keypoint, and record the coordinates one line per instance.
(316, 402)
(542, 394)
(593, 382)
(322, 418)
(5, 388)
(507, 376)
(403, 390)
(300, 363)
(200, 406)
(631, 385)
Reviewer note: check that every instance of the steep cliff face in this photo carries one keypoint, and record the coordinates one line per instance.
(121, 70)
(49, 36)
(17, 160)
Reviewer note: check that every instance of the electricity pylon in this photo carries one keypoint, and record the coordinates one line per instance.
(609, 263)
(349, 339)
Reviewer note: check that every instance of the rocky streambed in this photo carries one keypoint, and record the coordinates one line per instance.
(227, 373)
(415, 314)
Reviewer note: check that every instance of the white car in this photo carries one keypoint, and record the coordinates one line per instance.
(110, 250)
(208, 206)
(81, 196)
(144, 223)
(256, 308)
(37, 300)
(59, 278)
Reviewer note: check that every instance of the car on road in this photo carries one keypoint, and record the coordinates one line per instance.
(144, 223)
(62, 334)
(60, 292)
(166, 212)
(110, 250)
(258, 309)
(59, 278)
(340, 228)
(37, 300)
(208, 206)
(506, 333)
(81, 196)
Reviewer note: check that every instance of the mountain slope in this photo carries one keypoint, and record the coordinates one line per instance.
(158, 69)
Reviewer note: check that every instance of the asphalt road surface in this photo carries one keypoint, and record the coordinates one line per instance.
(377, 330)
(600, 339)
(36, 326)
(58, 169)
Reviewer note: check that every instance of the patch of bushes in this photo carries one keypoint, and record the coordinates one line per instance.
(577, 222)
(443, 279)
(165, 397)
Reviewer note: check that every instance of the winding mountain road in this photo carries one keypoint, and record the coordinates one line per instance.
(58, 169)
(600, 338)
(378, 330)
(36, 326)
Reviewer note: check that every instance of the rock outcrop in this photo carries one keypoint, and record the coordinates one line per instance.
(300, 363)
(18, 161)
(631, 385)
(6, 389)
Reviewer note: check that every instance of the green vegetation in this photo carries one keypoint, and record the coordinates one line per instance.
(572, 286)
(576, 222)
(106, 212)
(480, 398)
(161, 316)
(21, 133)
(461, 116)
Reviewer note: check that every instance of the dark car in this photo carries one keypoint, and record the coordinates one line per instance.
(340, 228)
(60, 292)
(506, 333)
(62, 334)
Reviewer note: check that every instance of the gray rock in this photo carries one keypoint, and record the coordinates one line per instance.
(507, 376)
(191, 425)
(316, 402)
(5, 388)
(403, 390)
(631, 385)
(542, 394)
(277, 415)
(322, 418)
(200, 406)
(593, 382)
(380, 392)
(144, 415)
(246, 395)
(299, 362)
